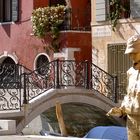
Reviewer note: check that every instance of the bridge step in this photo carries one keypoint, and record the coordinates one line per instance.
(7, 127)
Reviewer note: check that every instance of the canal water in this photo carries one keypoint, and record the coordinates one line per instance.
(79, 118)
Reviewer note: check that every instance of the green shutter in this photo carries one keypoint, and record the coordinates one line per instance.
(135, 8)
(100, 10)
(15, 9)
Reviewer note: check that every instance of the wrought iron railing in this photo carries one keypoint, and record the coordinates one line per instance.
(69, 73)
(11, 86)
(19, 85)
(103, 82)
(36, 84)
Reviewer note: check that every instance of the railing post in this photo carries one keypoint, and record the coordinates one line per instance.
(115, 89)
(86, 74)
(20, 85)
(25, 101)
(57, 85)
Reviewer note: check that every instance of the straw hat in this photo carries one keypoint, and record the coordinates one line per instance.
(133, 44)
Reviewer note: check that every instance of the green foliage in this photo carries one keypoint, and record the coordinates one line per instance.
(48, 20)
(116, 9)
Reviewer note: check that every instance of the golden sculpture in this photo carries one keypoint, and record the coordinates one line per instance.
(131, 103)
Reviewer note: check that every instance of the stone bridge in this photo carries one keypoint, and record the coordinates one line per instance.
(25, 94)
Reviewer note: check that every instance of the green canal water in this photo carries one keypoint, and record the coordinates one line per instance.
(79, 118)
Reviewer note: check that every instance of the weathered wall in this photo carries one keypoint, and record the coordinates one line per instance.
(80, 40)
(40, 3)
(82, 13)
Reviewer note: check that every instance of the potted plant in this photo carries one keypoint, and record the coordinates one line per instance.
(47, 20)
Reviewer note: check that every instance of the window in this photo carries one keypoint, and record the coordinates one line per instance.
(122, 6)
(105, 7)
(8, 10)
(9, 73)
(118, 64)
(42, 64)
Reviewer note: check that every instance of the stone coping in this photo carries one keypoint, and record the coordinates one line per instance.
(33, 137)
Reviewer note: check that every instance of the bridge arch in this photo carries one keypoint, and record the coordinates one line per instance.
(51, 97)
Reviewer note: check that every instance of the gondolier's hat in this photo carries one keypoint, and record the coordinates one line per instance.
(133, 44)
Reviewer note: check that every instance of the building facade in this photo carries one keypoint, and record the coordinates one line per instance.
(109, 43)
(19, 45)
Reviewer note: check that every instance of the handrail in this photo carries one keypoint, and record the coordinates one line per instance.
(70, 73)
(11, 86)
(19, 85)
(104, 83)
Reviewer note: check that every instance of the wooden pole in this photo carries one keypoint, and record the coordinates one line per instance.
(60, 119)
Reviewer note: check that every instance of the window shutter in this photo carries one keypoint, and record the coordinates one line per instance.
(15, 9)
(100, 10)
(135, 8)
(1, 11)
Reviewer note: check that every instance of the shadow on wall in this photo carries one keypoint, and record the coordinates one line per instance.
(7, 29)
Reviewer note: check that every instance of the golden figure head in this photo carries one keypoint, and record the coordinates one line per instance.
(133, 49)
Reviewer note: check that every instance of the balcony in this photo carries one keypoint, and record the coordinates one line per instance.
(54, 19)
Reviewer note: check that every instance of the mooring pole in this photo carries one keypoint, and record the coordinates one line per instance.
(60, 119)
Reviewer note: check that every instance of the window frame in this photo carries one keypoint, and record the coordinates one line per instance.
(12, 9)
(103, 10)
(123, 14)
(4, 7)
(36, 61)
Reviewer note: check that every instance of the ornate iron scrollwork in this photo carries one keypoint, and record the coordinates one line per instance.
(9, 87)
(19, 85)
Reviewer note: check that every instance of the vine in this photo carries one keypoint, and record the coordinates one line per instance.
(117, 7)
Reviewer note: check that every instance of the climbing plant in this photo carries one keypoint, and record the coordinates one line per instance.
(117, 7)
(48, 20)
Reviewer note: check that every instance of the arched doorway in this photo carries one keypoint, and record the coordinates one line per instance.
(9, 73)
(8, 60)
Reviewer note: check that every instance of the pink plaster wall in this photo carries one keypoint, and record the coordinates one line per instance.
(16, 38)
